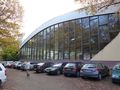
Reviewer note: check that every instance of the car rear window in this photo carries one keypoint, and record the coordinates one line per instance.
(70, 65)
(89, 66)
(116, 67)
(57, 65)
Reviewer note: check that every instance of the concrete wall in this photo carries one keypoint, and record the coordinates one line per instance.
(111, 52)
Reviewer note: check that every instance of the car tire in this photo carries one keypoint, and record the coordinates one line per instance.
(99, 76)
(37, 72)
(0, 83)
(113, 81)
(65, 75)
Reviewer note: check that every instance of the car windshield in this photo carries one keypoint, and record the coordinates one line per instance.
(40, 64)
(70, 65)
(57, 65)
(89, 66)
(33, 63)
(116, 67)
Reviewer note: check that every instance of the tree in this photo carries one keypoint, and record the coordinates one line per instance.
(10, 53)
(11, 13)
(93, 6)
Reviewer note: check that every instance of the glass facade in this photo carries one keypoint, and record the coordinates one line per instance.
(78, 39)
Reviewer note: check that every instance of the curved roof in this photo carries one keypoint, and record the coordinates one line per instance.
(69, 16)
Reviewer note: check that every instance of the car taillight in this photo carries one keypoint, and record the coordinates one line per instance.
(74, 69)
(64, 69)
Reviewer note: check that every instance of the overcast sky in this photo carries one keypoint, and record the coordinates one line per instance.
(36, 12)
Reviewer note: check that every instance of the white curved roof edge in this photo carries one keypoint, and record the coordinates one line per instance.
(69, 16)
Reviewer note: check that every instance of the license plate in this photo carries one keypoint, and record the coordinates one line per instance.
(87, 70)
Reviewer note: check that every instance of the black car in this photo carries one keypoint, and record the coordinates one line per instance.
(56, 69)
(95, 70)
(72, 69)
(42, 66)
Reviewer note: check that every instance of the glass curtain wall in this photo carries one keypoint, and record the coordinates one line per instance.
(78, 39)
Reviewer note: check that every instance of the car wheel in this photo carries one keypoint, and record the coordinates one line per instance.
(58, 72)
(99, 76)
(113, 81)
(37, 72)
(65, 75)
(0, 83)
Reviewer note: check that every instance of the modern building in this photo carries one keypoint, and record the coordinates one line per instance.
(77, 35)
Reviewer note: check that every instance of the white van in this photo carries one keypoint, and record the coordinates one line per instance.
(3, 76)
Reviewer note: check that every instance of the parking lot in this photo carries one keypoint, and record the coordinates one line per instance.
(17, 80)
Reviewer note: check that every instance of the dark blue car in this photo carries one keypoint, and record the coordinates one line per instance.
(56, 69)
(72, 69)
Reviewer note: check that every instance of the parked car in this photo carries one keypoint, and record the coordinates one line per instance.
(95, 70)
(56, 69)
(28, 65)
(116, 73)
(42, 66)
(23, 67)
(9, 64)
(3, 76)
(19, 66)
(72, 68)
(16, 64)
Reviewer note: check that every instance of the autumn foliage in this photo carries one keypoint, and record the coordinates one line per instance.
(11, 13)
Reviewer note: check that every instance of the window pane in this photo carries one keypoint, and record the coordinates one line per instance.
(114, 22)
(94, 43)
(52, 43)
(103, 19)
(56, 42)
(48, 43)
(61, 40)
(72, 39)
(40, 45)
(44, 51)
(85, 23)
(78, 39)
(66, 40)
(104, 35)
(94, 25)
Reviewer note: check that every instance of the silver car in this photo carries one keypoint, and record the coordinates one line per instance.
(95, 70)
